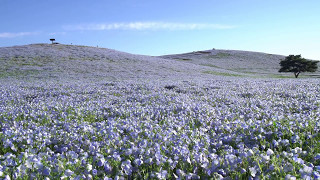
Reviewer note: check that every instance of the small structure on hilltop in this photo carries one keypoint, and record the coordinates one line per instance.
(52, 40)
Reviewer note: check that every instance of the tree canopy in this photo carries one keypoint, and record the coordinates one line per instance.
(297, 64)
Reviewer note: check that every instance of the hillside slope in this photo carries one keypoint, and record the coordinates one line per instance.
(58, 61)
(254, 63)
(78, 62)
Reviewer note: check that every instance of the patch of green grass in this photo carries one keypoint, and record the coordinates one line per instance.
(26, 61)
(117, 94)
(210, 65)
(219, 56)
(203, 52)
(245, 70)
(280, 76)
(222, 74)
(249, 72)
(43, 59)
(4, 74)
(18, 73)
(183, 59)
(32, 63)
(71, 58)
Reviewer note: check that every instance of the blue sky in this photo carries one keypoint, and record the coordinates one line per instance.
(165, 27)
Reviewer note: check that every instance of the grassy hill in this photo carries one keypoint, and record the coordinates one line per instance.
(58, 61)
(237, 63)
(77, 62)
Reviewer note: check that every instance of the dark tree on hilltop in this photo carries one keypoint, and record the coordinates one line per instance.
(297, 64)
(52, 40)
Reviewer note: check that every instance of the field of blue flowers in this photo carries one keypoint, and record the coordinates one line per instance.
(234, 128)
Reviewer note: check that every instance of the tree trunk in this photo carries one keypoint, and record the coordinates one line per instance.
(296, 74)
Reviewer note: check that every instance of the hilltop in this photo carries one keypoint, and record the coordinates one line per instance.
(58, 61)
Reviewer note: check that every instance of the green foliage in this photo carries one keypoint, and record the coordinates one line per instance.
(219, 55)
(222, 73)
(183, 59)
(210, 65)
(297, 64)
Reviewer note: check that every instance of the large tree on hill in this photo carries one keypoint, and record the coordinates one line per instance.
(297, 64)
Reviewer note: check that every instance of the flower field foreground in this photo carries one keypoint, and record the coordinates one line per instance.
(237, 128)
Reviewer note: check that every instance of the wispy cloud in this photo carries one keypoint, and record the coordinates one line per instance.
(58, 33)
(149, 26)
(19, 34)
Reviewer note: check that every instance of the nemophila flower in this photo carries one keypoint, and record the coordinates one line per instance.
(89, 167)
(46, 171)
(126, 167)
(290, 177)
(94, 171)
(295, 138)
(188, 160)
(107, 167)
(265, 158)
(306, 170)
(275, 143)
(116, 156)
(288, 167)
(68, 173)
(250, 152)
(28, 163)
(231, 159)
(38, 165)
(270, 152)
(190, 176)
(310, 165)
(316, 175)
(89, 176)
(242, 171)
(306, 177)
(298, 160)
(72, 154)
(119, 178)
(138, 162)
(101, 162)
(79, 177)
(317, 157)
(296, 150)
(253, 171)
(180, 173)
(222, 172)
(161, 174)
(10, 162)
(149, 161)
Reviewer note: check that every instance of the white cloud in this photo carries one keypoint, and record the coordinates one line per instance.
(57, 33)
(149, 26)
(19, 34)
